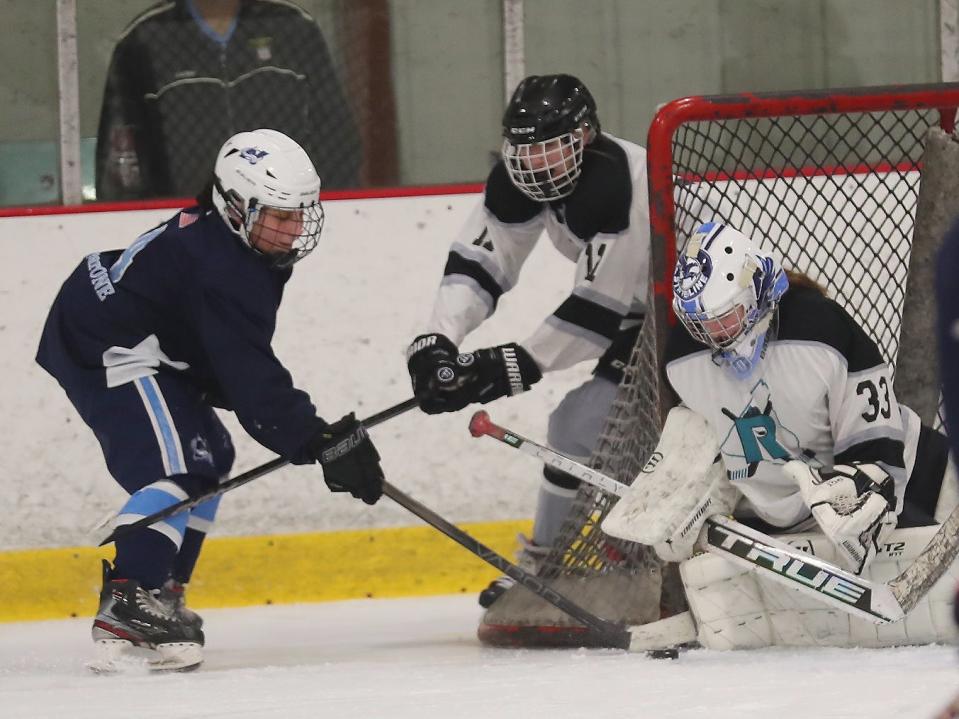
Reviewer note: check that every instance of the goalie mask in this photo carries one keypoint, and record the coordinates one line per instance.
(725, 292)
(266, 190)
(547, 124)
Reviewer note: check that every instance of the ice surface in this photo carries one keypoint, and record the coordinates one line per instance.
(420, 658)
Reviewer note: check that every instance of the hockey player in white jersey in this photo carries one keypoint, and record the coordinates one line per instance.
(810, 434)
(587, 189)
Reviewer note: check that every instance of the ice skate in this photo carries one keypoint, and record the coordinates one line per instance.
(529, 558)
(173, 595)
(134, 629)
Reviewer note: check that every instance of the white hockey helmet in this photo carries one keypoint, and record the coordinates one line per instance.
(725, 290)
(266, 169)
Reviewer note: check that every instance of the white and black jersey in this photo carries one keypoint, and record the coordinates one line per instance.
(603, 226)
(822, 394)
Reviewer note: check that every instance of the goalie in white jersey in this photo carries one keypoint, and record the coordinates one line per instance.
(781, 372)
(587, 189)
(814, 447)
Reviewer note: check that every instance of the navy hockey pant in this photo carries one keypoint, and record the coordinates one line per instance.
(162, 443)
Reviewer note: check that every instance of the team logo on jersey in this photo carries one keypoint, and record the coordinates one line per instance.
(757, 435)
(691, 275)
(253, 154)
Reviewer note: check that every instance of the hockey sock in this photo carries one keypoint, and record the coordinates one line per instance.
(147, 555)
(556, 495)
(199, 523)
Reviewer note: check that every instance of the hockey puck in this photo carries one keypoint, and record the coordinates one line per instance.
(671, 653)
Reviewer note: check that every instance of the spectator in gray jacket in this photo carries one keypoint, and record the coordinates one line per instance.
(188, 74)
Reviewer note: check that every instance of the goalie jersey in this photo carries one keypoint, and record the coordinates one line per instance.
(822, 393)
(603, 227)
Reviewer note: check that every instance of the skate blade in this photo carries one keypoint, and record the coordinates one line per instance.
(119, 656)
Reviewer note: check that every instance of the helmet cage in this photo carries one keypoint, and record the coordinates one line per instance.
(266, 229)
(546, 170)
(722, 327)
(244, 216)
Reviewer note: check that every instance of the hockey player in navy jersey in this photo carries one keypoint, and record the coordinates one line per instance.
(560, 173)
(800, 398)
(146, 341)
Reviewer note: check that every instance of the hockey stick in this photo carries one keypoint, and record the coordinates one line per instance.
(615, 635)
(242, 479)
(876, 602)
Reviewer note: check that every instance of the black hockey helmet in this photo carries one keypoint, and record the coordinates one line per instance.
(547, 106)
(547, 123)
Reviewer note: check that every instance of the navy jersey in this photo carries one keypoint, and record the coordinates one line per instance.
(947, 298)
(822, 393)
(186, 298)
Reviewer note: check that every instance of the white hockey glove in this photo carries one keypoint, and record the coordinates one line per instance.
(854, 505)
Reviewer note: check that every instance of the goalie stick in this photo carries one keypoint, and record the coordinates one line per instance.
(242, 479)
(876, 602)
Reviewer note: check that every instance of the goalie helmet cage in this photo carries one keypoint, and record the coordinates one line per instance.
(829, 180)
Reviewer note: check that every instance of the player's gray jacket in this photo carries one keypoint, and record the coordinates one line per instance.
(822, 393)
(603, 226)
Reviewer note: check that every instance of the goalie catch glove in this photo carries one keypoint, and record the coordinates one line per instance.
(854, 505)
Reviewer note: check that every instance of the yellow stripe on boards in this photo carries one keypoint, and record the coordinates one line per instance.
(279, 569)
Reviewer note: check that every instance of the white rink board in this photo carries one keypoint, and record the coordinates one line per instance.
(348, 314)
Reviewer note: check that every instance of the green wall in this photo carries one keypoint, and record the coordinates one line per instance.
(448, 65)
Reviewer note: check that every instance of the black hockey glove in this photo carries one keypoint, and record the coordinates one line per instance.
(350, 461)
(494, 372)
(431, 360)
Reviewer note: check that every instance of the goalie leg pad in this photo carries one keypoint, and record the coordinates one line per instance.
(682, 485)
(727, 604)
(737, 609)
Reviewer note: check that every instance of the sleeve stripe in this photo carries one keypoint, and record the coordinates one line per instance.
(873, 433)
(602, 300)
(456, 264)
(880, 451)
(593, 317)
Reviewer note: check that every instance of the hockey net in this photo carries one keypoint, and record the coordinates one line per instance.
(830, 181)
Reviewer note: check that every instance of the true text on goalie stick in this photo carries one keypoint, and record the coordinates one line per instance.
(876, 602)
